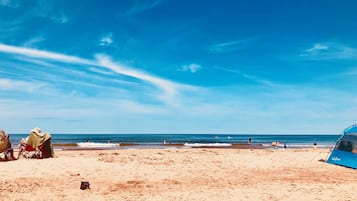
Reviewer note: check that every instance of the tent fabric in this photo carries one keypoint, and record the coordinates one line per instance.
(345, 151)
(351, 129)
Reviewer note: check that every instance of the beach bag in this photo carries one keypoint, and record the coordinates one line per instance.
(84, 185)
(46, 149)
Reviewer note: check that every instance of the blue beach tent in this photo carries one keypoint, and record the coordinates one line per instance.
(345, 150)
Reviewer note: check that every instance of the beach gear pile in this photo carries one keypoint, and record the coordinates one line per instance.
(37, 145)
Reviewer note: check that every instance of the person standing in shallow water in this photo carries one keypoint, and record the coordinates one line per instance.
(250, 143)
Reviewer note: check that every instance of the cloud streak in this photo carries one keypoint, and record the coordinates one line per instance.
(317, 48)
(169, 88)
(230, 46)
(141, 6)
(42, 54)
(250, 77)
(49, 10)
(34, 41)
(61, 19)
(330, 50)
(14, 85)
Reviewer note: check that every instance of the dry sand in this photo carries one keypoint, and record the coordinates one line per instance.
(179, 174)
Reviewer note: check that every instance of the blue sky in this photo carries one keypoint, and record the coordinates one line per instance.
(169, 66)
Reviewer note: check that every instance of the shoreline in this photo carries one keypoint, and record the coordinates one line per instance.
(183, 146)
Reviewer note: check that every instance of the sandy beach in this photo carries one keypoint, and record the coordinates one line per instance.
(179, 174)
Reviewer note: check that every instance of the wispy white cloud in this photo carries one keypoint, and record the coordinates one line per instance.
(12, 26)
(42, 54)
(168, 88)
(249, 77)
(32, 42)
(49, 10)
(141, 6)
(106, 40)
(330, 50)
(37, 9)
(15, 85)
(100, 71)
(62, 96)
(230, 46)
(60, 19)
(10, 3)
(317, 47)
(193, 68)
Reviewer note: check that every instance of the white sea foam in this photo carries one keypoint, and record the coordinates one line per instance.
(300, 145)
(207, 144)
(96, 144)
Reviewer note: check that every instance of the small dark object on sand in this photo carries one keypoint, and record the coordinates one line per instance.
(85, 185)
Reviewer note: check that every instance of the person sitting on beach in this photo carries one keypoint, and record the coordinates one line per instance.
(22, 147)
(36, 145)
(315, 145)
(6, 151)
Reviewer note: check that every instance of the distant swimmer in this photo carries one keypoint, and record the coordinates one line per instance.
(250, 143)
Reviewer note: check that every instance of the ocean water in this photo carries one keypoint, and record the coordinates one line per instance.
(143, 140)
